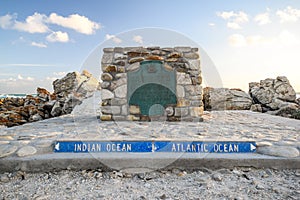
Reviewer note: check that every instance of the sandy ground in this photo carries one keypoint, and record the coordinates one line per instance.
(239, 183)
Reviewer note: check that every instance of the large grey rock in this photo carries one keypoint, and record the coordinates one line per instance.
(56, 110)
(70, 104)
(275, 96)
(71, 90)
(298, 101)
(292, 110)
(272, 93)
(226, 99)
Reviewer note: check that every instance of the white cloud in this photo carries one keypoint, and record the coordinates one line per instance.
(27, 85)
(284, 38)
(235, 19)
(59, 73)
(113, 38)
(288, 15)
(226, 15)
(38, 23)
(287, 38)
(241, 17)
(211, 24)
(58, 36)
(29, 78)
(76, 22)
(19, 77)
(237, 40)
(138, 39)
(55, 75)
(6, 21)
(233, 25)
(40, 44)
(33, 24)
(262, 18)
(48, 78)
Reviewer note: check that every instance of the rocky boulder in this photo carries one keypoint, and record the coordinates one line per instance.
(274, 96)
(271, 93)
(298, 101)
(226, 99)
(69, 91)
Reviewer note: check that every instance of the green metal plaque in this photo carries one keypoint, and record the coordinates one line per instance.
(152, 88)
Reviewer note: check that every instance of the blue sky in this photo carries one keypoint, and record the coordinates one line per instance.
(247, 40)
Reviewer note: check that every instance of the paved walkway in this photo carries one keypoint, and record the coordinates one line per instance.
(275, 136)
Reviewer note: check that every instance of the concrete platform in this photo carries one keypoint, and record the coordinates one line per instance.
(143, 161)
(30, 147)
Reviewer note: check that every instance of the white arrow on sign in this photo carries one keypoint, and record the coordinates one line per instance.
(252, 147)
(57, 146)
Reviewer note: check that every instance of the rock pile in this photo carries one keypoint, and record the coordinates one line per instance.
(272, 96)
(226, 99)
(275, 96)
(68, 92)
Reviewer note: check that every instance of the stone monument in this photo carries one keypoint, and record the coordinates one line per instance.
(146, 83)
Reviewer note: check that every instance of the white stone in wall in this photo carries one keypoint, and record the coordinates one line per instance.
(183, 49)
(120, 56)
(196, 111)
(119, 50)
(107, 58)
(181, 112)
(121, 75)
(117, 83)
(124, 110)
(180, 91)
(194, 64)
(133, 67)
(111, 110)
(121, 91)
(134, 109)
(191, 55)
(106, 77)
(183, 78)
(106, 94)
(196, 103)
(117, 101)
(170, 111)
(108, 50)
(194, 89)
(105, 85)
(193, 72)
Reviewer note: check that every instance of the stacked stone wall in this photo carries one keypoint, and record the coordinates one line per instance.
(117, 62)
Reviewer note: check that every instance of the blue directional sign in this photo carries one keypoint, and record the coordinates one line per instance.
(102, 146)
(205, 147)
(154, 146)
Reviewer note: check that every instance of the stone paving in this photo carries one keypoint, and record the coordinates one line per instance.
(275, 136)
